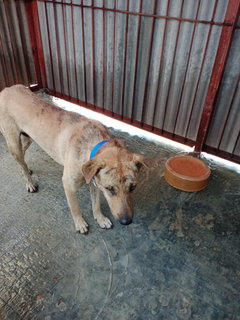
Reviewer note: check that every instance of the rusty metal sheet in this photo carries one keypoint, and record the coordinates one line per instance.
(225, 125)
(16, 58)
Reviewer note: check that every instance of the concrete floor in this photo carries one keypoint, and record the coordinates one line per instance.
(180, 259)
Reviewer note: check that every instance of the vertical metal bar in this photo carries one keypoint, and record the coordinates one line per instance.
(201, 67)
(66, 48)
(218, 69)
(136, 59)
(103, 58)
(93, 55)
(174, 58)
(36, 41)
(58, 47)
(49, 46)
(74, 51)
(125, 61)
(149, 63)
(114, 45)
(84, 54)
(186, 71)
(161, 61)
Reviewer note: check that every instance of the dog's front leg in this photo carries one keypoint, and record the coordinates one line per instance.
(103, 221)
(70, 189)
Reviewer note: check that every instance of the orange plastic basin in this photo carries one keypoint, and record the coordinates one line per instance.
(186, 173)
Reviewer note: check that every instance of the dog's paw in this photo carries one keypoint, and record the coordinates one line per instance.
(32, 187)
(104, 222)
(81, 226)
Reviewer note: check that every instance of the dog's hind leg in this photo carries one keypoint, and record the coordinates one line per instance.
(103, 221)
(26, 142)
(15, 147)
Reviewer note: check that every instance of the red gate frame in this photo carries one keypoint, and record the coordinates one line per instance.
(228, 28)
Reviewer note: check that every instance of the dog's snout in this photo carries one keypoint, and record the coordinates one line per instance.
(125, 221)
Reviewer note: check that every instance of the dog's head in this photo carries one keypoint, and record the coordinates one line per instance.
(114, 172)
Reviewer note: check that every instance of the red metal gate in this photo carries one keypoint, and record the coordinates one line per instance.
(166, 66)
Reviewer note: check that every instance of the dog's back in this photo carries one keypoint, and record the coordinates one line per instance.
(49, 126)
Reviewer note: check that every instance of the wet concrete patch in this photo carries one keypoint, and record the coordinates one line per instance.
(180, 259)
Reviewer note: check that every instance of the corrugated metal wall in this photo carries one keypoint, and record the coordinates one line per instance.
(16, 60)
(149, 61)
(224, 132)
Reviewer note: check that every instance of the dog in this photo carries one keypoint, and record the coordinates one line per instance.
(82, 146)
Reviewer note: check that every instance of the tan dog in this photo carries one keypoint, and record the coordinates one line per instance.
(69, 139)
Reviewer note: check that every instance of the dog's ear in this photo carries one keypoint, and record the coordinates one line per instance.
(142, 161)
(91, 168)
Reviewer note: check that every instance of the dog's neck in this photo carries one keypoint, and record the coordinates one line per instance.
(105, 144)
(96, 148)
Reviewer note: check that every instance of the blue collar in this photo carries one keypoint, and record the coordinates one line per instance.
(96, 148)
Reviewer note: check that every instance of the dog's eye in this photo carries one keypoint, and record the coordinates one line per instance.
(111, 190)
(132, 187)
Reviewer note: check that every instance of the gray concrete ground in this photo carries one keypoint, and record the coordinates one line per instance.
(180, 259)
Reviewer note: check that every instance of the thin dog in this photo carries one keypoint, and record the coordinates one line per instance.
(84, 147)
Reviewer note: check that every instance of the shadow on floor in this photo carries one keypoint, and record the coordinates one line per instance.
(180, 259)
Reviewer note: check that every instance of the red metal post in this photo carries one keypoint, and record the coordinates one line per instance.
(218, 69)
(36, 41)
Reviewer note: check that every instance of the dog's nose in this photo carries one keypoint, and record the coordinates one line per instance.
(125, 221)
